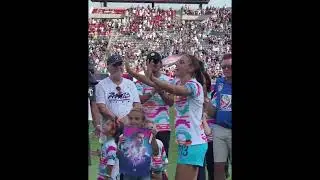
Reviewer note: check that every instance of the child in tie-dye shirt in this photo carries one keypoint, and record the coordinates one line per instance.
(159, 162)
(109, 163)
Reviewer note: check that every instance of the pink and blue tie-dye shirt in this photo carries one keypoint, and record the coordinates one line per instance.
(155, 108)
(188, 119)
(109, 157)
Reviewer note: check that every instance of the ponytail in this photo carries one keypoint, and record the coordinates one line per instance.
(199, 77)
(199, 71)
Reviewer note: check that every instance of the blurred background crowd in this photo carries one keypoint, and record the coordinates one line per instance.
(205, 33)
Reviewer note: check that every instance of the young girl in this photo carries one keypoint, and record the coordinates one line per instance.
(109, 163)
(158, 163)
(137, 119)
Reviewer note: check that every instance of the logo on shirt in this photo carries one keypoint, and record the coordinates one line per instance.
(118, 97)
(225, 102)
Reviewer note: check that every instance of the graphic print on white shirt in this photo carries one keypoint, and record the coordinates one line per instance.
(119, 102)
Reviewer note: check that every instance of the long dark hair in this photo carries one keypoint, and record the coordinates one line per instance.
(199, 68)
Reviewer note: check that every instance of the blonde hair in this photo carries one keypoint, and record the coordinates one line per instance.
(140, 110)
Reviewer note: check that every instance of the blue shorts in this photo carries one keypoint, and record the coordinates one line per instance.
(192, 154)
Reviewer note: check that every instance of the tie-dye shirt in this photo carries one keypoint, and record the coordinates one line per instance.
(109, 157)
(189, 129)
(155, 108)
(158, 163)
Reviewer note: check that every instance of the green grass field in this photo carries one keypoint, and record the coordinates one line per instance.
(94, 145)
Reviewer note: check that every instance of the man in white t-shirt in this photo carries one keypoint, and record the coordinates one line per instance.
(115, 95)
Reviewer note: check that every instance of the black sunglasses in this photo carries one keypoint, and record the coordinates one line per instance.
(117, 64)
(226, 66)
(118, 89)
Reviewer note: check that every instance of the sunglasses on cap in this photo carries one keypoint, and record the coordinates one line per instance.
(118, 88)
(117, 64)
(226, 66)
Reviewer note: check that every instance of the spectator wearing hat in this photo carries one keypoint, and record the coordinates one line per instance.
(115, 95)
(155, 102)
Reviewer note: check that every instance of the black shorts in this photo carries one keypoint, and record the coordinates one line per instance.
(164, 136)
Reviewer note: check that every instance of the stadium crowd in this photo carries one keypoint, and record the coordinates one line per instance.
(153, 29)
